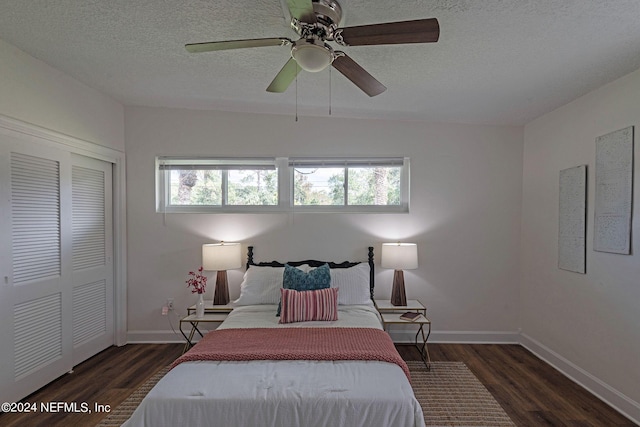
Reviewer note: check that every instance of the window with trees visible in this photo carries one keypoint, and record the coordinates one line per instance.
(217, 183)
(262, 185)
(347, 182)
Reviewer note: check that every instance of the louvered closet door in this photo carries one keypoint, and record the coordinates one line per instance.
(33, 300)
(56, 251)
(92, 249)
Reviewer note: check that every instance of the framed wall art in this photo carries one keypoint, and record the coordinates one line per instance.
(613, 192)
(572, 226)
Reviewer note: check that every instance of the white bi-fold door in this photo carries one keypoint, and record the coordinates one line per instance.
(56, 262)
(92, 257)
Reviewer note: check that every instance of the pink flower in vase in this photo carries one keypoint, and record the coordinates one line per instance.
(197, 281)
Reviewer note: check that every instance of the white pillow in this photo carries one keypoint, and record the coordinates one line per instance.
(261, 285)
(353, 283)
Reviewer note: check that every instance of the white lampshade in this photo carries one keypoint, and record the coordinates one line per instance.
(310, 56)
(221, 256)
(399, 256)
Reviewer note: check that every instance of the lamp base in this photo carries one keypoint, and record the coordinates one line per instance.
(221, 295)
(398, 296)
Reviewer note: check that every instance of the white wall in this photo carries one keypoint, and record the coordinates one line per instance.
(33, 92)
(588, 325)
(465, 213)
(47, 105)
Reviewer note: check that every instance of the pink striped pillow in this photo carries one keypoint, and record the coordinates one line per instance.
(302, 306)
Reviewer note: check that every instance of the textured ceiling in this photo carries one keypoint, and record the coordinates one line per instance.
(497, 61)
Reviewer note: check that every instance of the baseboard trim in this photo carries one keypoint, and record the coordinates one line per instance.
(620, 402)
(458, 337)
(154, 337)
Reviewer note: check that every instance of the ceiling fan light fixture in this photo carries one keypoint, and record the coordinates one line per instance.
(317, 22)
(311, 57)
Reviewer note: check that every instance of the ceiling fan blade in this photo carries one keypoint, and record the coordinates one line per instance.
(418, 31)
(358, 75)
(236, 44)
(302, 10)
(284, 78)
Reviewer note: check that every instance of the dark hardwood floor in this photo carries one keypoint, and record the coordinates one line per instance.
(108, 378)
(530, 391)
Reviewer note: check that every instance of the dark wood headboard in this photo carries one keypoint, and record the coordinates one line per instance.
(316, 263)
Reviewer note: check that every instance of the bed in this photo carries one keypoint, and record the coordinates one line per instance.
(259, 369)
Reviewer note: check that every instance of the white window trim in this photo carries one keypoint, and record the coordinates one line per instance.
(285, 168)
(345, 163)
(165, 163)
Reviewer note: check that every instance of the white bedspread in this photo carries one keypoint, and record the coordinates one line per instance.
(283, 393)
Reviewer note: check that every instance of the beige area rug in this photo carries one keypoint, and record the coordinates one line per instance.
(450, 395)
(123, 411)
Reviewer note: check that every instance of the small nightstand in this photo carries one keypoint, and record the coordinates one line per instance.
(210, 308)
(212, 314)
(385, 306)
(390, 315)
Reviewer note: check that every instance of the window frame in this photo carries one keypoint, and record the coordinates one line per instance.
(285, 183)
(164, 165)
(346, 163)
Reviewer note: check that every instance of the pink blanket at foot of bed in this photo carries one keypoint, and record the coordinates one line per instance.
(295, 344)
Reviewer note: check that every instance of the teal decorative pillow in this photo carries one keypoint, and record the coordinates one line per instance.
(296, 279)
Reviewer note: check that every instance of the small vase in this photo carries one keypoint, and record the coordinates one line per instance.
(200, 306)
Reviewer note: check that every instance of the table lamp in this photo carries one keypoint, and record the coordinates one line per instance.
(399, 256)
(221, 257)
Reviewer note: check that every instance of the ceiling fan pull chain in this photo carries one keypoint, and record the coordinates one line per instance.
(296, 97)
(329, 90)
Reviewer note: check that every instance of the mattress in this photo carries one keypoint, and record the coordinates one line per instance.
(283, 393)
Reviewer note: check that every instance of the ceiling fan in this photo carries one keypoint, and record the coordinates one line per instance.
(316, 22)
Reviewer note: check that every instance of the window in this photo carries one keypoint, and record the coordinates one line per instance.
(258, 185)
(348, 182)
(190, 185)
